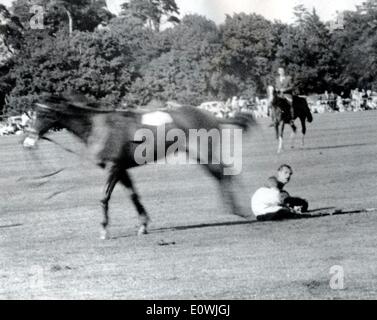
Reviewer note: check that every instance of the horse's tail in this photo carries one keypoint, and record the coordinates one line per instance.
(306, 109)
(309, 115)
(242, 119)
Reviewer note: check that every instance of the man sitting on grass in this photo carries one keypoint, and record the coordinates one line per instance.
(273, 203)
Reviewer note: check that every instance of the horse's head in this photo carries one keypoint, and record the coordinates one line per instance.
(45, 118)
(61, 111)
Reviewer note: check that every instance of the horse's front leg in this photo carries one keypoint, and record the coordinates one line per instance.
(293, 135)
(280, 136)
(281, 146)
(303, 129)
(112, 180)
(277, 130)
(143, 215)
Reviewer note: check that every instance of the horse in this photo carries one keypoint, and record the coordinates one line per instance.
(110, 138)
(281, 115)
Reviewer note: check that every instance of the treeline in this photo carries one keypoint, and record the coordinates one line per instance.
(134, 58)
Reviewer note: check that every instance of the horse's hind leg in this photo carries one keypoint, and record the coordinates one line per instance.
(112, 180)
(216, 168)
(303, 129)
(143, 215)
(277, 130)
(280, 136)
(226, 188)
(293, 135)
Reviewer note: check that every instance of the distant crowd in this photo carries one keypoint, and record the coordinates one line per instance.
(227, 109)
(15, 125)
(357, 100)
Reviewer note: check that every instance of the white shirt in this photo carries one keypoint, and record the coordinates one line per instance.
(266, 200)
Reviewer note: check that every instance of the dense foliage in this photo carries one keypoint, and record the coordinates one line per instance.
(137, 57)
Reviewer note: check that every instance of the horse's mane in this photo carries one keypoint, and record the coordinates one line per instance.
(76, 104)
(68, 104)
(73, 104)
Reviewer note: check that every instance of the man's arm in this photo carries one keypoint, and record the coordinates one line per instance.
(272, 182)
(278, 84)
(284, 195)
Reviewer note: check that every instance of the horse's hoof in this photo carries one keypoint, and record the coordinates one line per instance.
(142, 231)
(104, 235)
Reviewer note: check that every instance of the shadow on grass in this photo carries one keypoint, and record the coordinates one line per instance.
(312, 214)
(11, 226)
(339, 146)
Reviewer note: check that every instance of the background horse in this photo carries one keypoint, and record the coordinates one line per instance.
(281, 115)
(110, 140)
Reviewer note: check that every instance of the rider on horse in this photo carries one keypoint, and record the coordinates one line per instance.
(284, 107)
(284, 87)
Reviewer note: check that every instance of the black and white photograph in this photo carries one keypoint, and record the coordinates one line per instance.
(175, 150)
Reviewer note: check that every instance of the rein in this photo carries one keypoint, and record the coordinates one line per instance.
(43, 178)
(79, 107)
(59, 145)
(36, 158)
(42, 175)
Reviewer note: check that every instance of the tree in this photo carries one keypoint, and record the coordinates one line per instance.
(10, 33)
(248, 50)
(307, 53)
(83, 15)
(10, 44)
(357, 44)
(152, 12)
(94, 64)
(144, 44)
(184, 72)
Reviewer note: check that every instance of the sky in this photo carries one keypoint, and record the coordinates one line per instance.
(271, 9)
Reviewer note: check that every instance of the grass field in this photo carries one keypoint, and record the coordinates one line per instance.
(49, 233)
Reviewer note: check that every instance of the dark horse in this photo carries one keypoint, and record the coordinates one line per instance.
(281, 114)
(110, 138)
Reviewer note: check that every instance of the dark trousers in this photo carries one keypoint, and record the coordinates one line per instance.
(285, 213)
(282, 214)
(292, 202)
